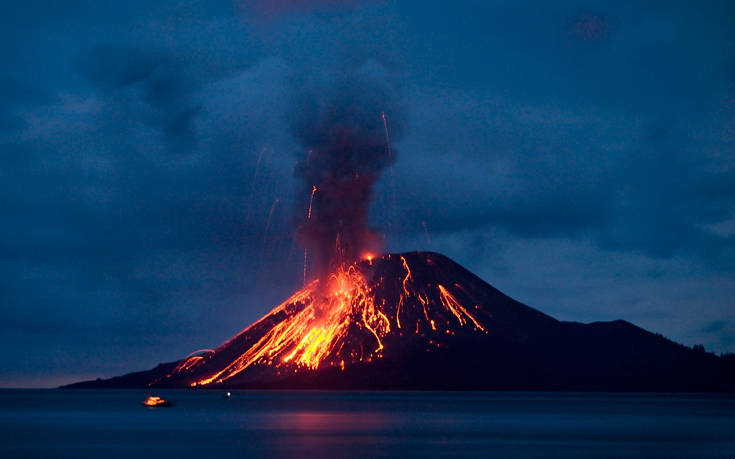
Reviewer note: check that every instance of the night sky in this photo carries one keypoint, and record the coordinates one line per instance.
(578, 156)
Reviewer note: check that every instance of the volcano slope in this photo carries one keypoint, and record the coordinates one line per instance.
(421, 321)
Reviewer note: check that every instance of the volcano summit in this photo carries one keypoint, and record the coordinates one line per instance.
(420, 321)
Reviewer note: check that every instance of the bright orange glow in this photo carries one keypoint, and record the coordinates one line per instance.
(353, 315)
(309, 337)
(406, 293)
(311, 201)
(451, 303)
(154, 401)
(188, 364)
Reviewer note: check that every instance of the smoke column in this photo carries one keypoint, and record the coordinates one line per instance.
(342, 129)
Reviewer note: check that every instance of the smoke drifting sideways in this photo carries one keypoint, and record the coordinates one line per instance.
(345, 149)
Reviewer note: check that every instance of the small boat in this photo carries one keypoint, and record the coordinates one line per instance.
(155, 402)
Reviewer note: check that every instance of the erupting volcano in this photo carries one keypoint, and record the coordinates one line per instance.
(414, 320)
(361, 313)
(420, 321)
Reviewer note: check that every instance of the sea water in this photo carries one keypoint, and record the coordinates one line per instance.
(325, 424)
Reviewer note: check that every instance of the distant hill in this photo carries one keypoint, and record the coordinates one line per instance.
(421, 321)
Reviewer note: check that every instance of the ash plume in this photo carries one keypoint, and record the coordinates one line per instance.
(343, 153)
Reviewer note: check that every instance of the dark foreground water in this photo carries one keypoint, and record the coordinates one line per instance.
(112, 423)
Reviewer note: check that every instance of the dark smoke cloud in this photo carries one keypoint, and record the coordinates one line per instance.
(344, 151)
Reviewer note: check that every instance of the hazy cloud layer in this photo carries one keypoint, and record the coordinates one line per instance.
(579, 156)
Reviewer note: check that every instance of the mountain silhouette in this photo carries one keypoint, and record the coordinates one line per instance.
(421, 321)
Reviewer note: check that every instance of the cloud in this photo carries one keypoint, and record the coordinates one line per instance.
(577, 157)
(715, 326)
(105, 229)
(153, 80)
(16, 97)
(529, 171)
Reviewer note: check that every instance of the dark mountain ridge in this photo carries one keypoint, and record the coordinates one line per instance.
(421, 321)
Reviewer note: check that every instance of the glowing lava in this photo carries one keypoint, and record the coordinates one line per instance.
(315, 333)
(356, 314)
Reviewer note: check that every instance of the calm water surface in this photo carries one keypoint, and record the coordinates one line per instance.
(112, 423)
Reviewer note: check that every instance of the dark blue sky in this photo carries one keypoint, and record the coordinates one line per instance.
(576, 155)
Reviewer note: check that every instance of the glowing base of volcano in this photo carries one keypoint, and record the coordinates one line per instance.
(340, 321)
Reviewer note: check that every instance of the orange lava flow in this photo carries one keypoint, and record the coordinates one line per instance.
(188, 364)
(310, 336)
(341, 320)
(451, 303)
(406, 293)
